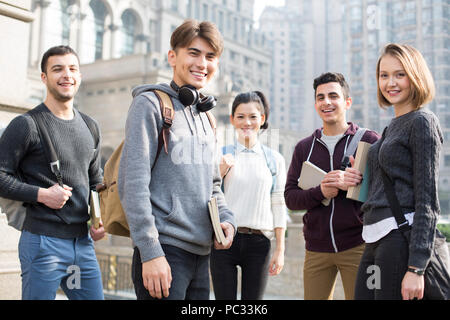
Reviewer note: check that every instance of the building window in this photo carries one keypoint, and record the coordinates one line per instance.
(205, 11)
(188, 8)
(129, 26)
(100, 13)
(447, 160)
(174, 5)
(221, 21)
(66, 20)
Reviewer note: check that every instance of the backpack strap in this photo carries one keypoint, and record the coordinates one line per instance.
(271, 164)
(351, 148)
(231, 148)
(92, 128)
(268, 155)
(212, 121)
(49, 151)
(167, 113)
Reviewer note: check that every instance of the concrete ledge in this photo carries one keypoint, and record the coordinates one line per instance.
(10, 286)
(16, 12)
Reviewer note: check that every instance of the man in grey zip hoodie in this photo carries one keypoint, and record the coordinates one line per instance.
(167, 206)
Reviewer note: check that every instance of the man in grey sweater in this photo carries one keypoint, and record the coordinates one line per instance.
(55, 247)
(166, 197)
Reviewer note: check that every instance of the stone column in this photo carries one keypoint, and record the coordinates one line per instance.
(43, 4)
(10, 281)
(115, 45)
(143, 41)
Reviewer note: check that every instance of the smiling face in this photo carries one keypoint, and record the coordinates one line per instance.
(247, 120)
(62, 77)
(195, 65)
(394, 84)
(331, 104)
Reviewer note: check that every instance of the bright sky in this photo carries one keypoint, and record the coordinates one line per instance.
(260, 4)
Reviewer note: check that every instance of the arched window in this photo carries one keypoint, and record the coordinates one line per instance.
(100, 13)
(66, 19)
(129, 28)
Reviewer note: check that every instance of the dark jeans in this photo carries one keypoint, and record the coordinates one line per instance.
(382, 268)
(190, 277)
(252, 253)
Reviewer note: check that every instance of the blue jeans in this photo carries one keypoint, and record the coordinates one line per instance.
(190, 276)
(49, 262)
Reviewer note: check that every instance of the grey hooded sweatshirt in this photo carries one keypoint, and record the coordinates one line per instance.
(169, 205)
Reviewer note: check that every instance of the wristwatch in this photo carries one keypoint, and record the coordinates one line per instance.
(419, 272)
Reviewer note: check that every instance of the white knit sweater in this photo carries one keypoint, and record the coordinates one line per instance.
(248, 190)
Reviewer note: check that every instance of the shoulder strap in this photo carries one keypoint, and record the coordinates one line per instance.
(270, 159)
(49, 149)
(92, 128)
(389, 190)
(351, 148)
(212, 121)
(271, 163)
(229, 149)
(167, 113)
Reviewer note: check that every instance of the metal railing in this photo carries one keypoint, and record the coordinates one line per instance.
(116, 276)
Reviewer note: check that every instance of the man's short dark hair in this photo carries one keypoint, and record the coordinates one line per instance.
(184, 34)
(56, 51)
(332, 77)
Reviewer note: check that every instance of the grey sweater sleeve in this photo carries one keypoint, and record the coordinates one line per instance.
(425, 145)
(14, 144)
(139, 151)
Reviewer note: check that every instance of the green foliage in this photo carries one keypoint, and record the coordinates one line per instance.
(445, 229)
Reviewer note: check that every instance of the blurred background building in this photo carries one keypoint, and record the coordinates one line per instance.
(122, 44)
(15, 19)
(311, 37)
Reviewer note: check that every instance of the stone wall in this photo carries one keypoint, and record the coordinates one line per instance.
(10, 282)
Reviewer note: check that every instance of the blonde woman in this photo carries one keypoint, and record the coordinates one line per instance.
(409, 155)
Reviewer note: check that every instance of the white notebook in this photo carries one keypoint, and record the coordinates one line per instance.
(95, 209)
(310, 177)
(215, 220)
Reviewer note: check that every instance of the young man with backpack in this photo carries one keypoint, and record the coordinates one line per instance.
(165, 194)
(55, 248)
(332, 232)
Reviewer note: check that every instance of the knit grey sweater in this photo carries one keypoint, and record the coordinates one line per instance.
(21, 149)
(169, 204)
(410, 157)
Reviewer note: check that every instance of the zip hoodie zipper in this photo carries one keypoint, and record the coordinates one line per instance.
(333, 241)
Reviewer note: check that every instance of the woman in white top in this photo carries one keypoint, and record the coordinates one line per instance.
(254, 178)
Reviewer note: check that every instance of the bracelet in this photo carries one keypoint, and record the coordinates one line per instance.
(419, 272)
